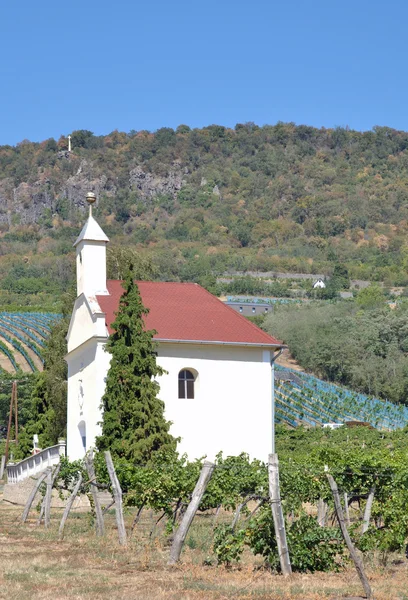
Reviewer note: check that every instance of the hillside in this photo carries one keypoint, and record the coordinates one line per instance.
(22, 340)
(203, 201)
(303, 399)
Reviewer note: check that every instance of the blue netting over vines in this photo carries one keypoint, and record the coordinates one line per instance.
(305, 399)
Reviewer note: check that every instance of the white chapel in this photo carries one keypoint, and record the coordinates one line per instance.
(218, 386)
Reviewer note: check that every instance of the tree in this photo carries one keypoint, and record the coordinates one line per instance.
(81, 138)
(371, 297)
(133, 423)
(183, 129)
(119, 259)
(340, 278)
(47, 413)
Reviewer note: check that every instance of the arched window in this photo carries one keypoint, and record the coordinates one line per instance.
(82, 433)
(186, 384)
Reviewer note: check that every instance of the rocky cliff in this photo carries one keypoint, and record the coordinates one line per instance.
(44, 194)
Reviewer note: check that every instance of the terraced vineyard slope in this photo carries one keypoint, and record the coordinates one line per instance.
(303, 399)
(22, 338)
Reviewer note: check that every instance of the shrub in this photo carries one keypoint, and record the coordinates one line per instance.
(311, 547)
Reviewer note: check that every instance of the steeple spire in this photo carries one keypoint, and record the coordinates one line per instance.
(91, 255)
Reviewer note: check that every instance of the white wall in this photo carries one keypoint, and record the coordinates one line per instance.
(231, 410)
(87, 368)
(91, 268)
(87, 321)
(82, 326)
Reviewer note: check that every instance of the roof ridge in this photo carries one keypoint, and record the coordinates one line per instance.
(160, 282)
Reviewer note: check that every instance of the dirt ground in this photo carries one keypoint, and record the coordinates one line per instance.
(286, 360)
(34, 565)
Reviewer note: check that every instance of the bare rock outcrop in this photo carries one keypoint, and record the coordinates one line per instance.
(150, 185)
(29, 201)
(86, 179)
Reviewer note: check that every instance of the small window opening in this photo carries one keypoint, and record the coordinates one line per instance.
(186, 384)
(82, 433)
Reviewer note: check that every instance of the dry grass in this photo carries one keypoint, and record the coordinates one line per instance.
(34, 565)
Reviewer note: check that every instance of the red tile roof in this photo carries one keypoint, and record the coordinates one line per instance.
(187, 312)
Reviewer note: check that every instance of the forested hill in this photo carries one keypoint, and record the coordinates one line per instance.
(282, 197)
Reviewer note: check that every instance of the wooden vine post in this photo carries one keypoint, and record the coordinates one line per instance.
(367, 512)
(117, 494)
(69, 506)
(346, 508)
(277, 513)
(100, 526)
(198, 493)
(353, 553)
(47, 499)
(33, 493)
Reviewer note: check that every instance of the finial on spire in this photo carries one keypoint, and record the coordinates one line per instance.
(91, 199)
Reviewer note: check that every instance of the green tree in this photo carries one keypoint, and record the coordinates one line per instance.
(120, 258)
(133, 424)
(371, 297)
(46, 414)
(183, 129)
(340, 279)
(81, 138)
(48, 407)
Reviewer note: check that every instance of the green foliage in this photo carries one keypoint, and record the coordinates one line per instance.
(235, 478)
(314, 548)
(371, 297)
(47, 414)
(366, 350)
(311, 547)
(228, 546)
(133, 425)
(69, 472)
(248, 285)
(25, 384)
(121, 258)
(391, 511)
(358, 458)
(340, 279)
(166, 482)
(288, 198)
(81, 138)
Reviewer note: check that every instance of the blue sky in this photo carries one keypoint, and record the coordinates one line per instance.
(132, 64)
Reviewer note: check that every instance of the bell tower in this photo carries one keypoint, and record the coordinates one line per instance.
(91, 256)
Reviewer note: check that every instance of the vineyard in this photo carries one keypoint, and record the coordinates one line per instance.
(229, 518)
(304, 399)
(22, 338)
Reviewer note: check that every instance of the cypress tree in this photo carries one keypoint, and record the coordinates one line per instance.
(133, 424)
